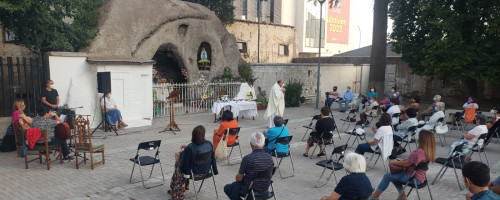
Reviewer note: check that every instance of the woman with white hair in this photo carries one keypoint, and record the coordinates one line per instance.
(429, 125)
(356, 183)
(436, 99)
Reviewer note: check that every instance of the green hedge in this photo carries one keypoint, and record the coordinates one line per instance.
(293, 93)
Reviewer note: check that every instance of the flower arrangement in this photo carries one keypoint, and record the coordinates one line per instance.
(207, 94)
(204, 63)
(250, 95)
(184, 73)
(158, 77)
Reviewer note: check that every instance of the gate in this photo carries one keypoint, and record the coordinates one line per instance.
(22, 78)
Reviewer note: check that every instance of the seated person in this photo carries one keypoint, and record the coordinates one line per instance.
(369, 105)
(346, 100)
(257, 161)
(332, 96)
(48, 120)
(354, 184)
(365, 98)
(402, 128)
(470, 108)
(227, 122)
(380, 132)
(18, 114)
(439, 113)
(186, 163)
(394, 94)
(415, 104)
(394, 109)
(426, 152)
(324, 127)
(495, 186)
(496, 113)
(477, 178)
(114, 115)
(274, 133)
(472, 136)
(431, 109)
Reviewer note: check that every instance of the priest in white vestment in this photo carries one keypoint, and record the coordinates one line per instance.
(276, 104)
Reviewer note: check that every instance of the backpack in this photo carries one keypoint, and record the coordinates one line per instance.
(470, 114)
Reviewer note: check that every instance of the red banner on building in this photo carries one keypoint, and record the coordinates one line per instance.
(338, 22)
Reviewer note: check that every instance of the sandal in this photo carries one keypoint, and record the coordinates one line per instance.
(305, 155)
(321, 154)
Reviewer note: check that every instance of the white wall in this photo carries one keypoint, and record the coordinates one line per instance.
(76, 83)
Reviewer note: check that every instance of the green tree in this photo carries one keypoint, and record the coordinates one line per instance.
(456, 40)
(224, 9)
(55, 25)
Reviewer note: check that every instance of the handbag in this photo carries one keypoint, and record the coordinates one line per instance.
(394, 169)
(470, 114)
(441, 128)
(63, 131)
(221, 150)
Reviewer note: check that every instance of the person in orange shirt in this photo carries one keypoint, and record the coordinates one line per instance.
(227, 122)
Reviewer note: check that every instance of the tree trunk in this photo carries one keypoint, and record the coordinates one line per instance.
(379, 44)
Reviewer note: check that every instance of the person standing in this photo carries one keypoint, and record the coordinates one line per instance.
(50, 97)
(276, 103)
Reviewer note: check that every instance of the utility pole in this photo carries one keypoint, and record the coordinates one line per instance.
(319, 50)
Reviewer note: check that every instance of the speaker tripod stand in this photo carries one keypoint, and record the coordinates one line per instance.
(172, 126)
(106, 126)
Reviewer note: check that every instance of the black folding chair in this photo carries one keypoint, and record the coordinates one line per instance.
(375, 108)
(262, 176)
(362, 197)
(350, 118)
(386, 140)
(233, 132)
(395, 115)
(203, 159)
(453, 161)
(410, 138)
(147, 160)
(322, 141)
(285, 122)
(311, 125)
(412, 182)
(481, 148)
(358, 124)
(283, 141)
(457, 121)
(331, 164)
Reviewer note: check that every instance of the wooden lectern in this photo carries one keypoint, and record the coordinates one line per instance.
(172, 126)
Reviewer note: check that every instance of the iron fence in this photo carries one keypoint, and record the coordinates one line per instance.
(21, 78)
(193, 97)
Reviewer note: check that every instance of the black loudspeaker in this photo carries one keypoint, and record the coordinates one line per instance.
(103, 82)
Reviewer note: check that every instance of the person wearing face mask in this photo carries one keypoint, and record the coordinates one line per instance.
(366, 98)
(431, 109)
(496, 112)
(393, 94)
(470, 108)
(346, 99)
(438, 113)
(50, 97)
(114, 115)
(369, 107)
(332, 96)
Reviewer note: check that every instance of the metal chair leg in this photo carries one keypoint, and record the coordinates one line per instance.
(439, 173)
(430, 194)
(215, 187)
(229, 155)
(456, 175)
(132, 173)
(487, 162)
(418, 194)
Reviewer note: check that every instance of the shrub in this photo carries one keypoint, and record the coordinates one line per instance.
(246, 73)
(293, 93)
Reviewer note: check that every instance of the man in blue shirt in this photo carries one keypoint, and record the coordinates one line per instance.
(476, 178)
(346, 99)
(257, 161)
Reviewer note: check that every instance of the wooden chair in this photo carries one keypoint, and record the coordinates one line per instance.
(17, 129)
(83, 142)
(41, 149)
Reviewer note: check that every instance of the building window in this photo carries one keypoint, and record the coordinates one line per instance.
(244, 9)
(271, 15)
(8, 36)
(283, 50)
(242, 46)
(312, 27)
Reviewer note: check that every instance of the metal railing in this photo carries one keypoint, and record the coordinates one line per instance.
(193, 98)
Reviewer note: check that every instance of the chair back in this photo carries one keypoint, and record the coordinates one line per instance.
(396, 115)
(481, 137)
(422, 166)
(233, 131)
(81, 131)
(265, 175)
(457, 149)
(362, 197)
(412, 129)
(17, 130)
(440, 120)
(203, 158)
(284, 140)
(285, 122)
(316, 117)
(149, 146)
(339, 149)
(353, 111)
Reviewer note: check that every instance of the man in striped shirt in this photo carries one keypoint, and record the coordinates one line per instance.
(257, 161)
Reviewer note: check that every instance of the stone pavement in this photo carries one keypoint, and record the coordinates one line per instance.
(111, 181)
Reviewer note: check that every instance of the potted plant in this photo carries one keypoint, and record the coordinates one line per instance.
(157, 104)
(261, 99)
